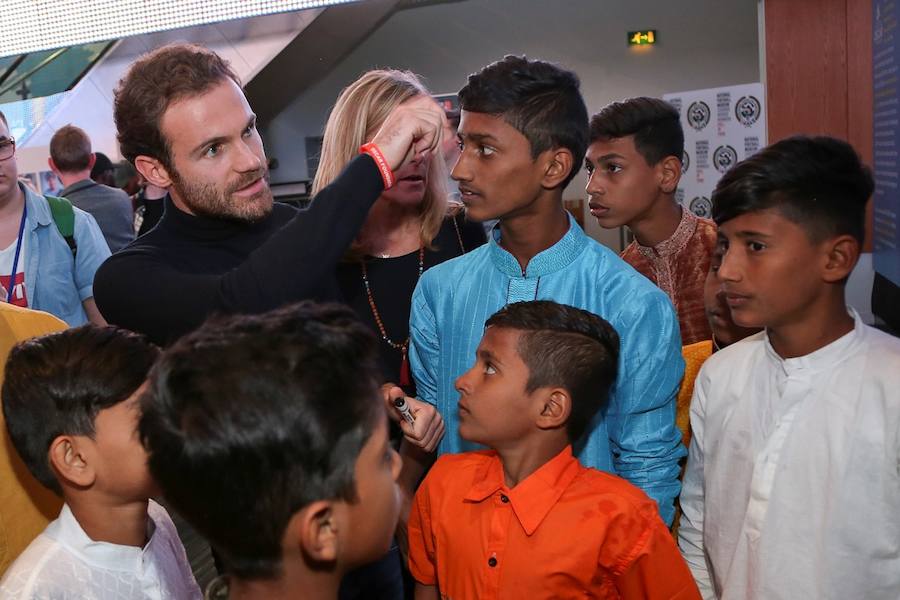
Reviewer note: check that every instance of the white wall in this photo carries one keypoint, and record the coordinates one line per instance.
(702, 43)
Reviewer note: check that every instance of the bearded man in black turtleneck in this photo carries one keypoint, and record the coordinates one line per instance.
(222, 245)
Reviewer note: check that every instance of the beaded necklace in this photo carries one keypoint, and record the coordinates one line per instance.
(403, 346)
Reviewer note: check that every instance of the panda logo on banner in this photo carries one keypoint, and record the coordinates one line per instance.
(747, 110)
(701, 206)
(724, 158)
(685, 161)
(698, 114)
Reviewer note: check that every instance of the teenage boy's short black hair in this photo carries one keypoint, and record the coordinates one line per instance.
(250, 418)
(56, 384)
(567, 347)
(819, 183)
(654, 123)
(541, 100)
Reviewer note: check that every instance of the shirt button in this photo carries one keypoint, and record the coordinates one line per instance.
(492, 562)
(504, 498)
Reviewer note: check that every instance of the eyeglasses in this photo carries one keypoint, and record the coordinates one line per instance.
(7, 148)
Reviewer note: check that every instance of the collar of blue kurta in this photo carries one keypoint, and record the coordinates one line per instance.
(535, 495)
(555, 258)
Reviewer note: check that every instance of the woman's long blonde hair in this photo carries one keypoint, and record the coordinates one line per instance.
(357, 115)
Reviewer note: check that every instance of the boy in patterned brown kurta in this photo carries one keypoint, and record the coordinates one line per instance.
(634, 165)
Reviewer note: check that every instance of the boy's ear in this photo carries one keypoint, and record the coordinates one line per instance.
(69, 458)
(556, 408)
(315, 530)
(842, 252)
(558, 165)
(153, 171)
(669, 170)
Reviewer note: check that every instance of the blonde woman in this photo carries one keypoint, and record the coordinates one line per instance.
(409, 228)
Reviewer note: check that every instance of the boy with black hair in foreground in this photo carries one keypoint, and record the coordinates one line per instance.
(269, 434)
(792, 484)
(634, 166)
(70, 400)
(526, 519)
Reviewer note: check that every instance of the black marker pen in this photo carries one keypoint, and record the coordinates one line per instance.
(403, 408)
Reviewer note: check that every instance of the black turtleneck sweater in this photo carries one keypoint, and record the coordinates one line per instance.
(167, 282)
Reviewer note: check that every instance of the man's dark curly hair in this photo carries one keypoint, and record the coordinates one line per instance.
(155, 81)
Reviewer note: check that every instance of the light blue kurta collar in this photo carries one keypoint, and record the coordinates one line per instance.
(555, 258)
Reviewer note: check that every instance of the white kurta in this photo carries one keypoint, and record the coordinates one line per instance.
(63, 563)
(792, 488)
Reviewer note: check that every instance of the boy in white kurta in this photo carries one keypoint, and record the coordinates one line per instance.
(792, 486)
(70, 400)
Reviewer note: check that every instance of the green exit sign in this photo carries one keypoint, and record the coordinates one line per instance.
(646, 37)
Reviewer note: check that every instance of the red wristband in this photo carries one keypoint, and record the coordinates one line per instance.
(383, 167)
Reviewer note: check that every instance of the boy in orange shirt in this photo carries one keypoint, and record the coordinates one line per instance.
(526, 519)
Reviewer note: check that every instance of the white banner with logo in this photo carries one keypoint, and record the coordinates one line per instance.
(721, 127)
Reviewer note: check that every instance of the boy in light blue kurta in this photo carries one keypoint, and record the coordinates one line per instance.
(523, 135)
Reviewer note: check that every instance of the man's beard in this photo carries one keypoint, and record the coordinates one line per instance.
(205, 200)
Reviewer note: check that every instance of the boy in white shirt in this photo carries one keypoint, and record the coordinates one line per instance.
(70, 400)
(792, 485)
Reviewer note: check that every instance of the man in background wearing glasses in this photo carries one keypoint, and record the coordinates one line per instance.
(38, 269)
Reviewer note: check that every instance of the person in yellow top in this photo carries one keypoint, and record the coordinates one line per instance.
(724, 333)
(25, 505)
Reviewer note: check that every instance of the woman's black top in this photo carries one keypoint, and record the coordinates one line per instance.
(392, 281)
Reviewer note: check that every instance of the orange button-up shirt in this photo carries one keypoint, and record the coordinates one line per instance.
(565, 531)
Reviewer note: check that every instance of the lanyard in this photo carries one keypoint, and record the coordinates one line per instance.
(12, 276)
